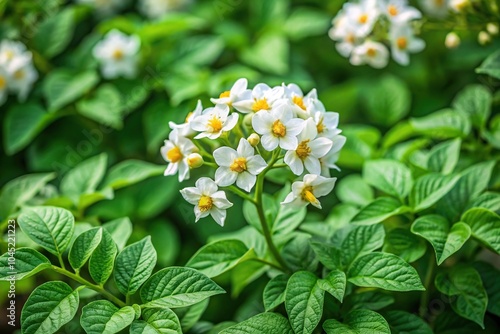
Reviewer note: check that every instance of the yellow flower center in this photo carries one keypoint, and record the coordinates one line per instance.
(350, 38)
(239, 165)
(439, 3)
(393, 11)
(299, 101)
(363, 18)
(215, 123)
(3, 82)
(320, 126)
(303, 150)
(9, 54)
(188, 117)
(371, 52)
(118, 54)
(205, 203)
(174, 154)
(19, 74)
(279, 130)
(402, 43)
(260, 105)
(224, 94)
(308, 196)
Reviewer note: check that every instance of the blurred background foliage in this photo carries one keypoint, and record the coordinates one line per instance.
(196, 53)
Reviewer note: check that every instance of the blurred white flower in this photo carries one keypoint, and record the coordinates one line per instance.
(262, 97)
(328, 161)
(184, 129)
(302, 106)
(240, 166)
(118, 55)
(307, 191)
(398, 11)
(459, 5)
(404, 42)
(105, 7)
(372, 53)
(362, 16)
(435, 8)
(155, 9)
(207, 200)
(277, 127)
(214, 121)
(237, 93)
(12, 51)
(176, 151)
(346, 39)
(452, 40)
(327, 123)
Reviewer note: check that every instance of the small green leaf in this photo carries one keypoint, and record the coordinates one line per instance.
(444, 157)
(274, 292)
(442, 124)
(48, 308)
(389, 176)
(304, 302)
(299, 255)
(264, 323)
(189, 316)
(305, 22)
(120, 230)
(269, 43)
(55, 33)
(24, 263)
(491, 66)
(353, 189)
(358, 322)
(373, 300)
(474, 101)
(177, 287)
(220, 256)
(489, 277)
(134, 265)
(102, 259)
(161, 321)
(485, 226)
(429, 189)
(402, 322)
(385, 271)
(379, 210)
(50, 227)
(334, 283)
(404, 244)
(487, 200)
(104, 106)
(102, 316)
(83, 246)
(362, 240)
(129, 172)
(244, 274)
(328, 255)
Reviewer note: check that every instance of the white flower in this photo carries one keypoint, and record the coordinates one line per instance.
(105, 7)
(22, 75)
(362, 16)
(435, 8)
(154, 9)
(4, 80)
(302, 106)
(371, 53)
(308, 151)
(184, 129)
(240, 165)
(213, 121)
(399, 12)
(278, 128)
(207, 200)
(346, 42)
(326, 123)
(403, 42)
(237, 93)
(176, 151)
(262, 97)
(118, 55)
(308, 191)
(452, 40)
(328, 161)
(11, 51)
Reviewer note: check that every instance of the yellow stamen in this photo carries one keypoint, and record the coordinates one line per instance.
(303, 150)
(299, 101)
(224, 94)
(308, 196)
(363, 19)
(188, 117)
(205, 203)
(279, 130)
(320, 126)
(350, 38)
(19, 74)
(402, 43)
(215, 123)
(371, 52)
(393, 11)
(239, 165)
(118, 54)
(260, 105)
(174, 154)
(3, 82)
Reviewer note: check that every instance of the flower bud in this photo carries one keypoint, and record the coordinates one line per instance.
(452, 40)
(194, 160)
(459, 5)
(254, 139)
(483, 38)
(247, 120)
(492, 28)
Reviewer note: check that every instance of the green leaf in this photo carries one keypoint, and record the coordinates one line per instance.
(220, 256)
(157, 321)
(83, 246)
(491, 66)
(269, 43)
(485, 226)
(429, 189)
(353, 189)
(299, 255)
(358, 322)
(102, 259)
(446, 123)
(120, 230)
(264, 323)
(474, 101)
(379, 210)
(62, 87)
(362, 240)
(102, 316)
(20, 190)
(104, 106)
(48, 308)
(50, 227)
(129, 172)
(465, 284)
(23, 263)
(373, 300)
(402, 322)
(304, 302)
(177, 287)
(328, 255)
(334, 283)
(244, 274)
(189, 316)
(487, 200)
(444, 157)
(489, 277)
(55, 33)
(305, 22)
(385, 271)
(404, 244)
(134, 265)
(389, 176)
(22, 124)
(274, 292)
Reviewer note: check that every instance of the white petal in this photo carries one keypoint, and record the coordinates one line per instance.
(294, 126)
(416, 45)
(239, 86)
(246, 181)
(219, 199)
(225, 177)
(270, 142)
(206, 185)
(294, 162)
(244, 106)
(191, 194)
(171, 169)
(256, 164)
(262, 122)
(199, 123)
(289, 198)
(312, 165)
(309, 130)
(320, 147)
(400, 57)
(224, 156)
(199, 214)
(324, 186)
(183, 171)
(289, 142)
(218, 215)
(244, 148)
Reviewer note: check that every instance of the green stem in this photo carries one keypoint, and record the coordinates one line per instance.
(424, 298)
(257, 259)
(61, 261)
(90, 285)
(240, 193)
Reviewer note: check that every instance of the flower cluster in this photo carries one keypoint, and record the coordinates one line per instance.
(118, 55)
(17, 73)
(249, 132)
(364, 30)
